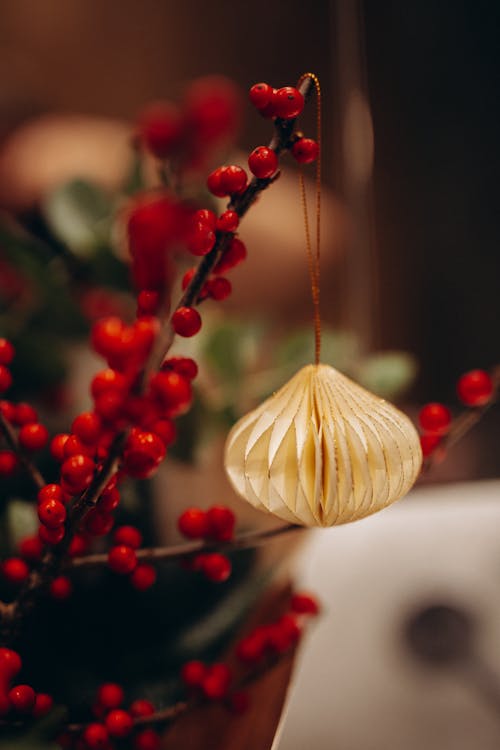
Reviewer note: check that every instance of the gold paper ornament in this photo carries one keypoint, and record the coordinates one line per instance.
(323, 451)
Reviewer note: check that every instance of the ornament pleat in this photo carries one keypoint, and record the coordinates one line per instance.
(322, 451)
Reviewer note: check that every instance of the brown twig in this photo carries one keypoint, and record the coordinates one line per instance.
(178, 551)
(13, 443)
(41, 576)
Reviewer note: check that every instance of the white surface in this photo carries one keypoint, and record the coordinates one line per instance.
(355, 687)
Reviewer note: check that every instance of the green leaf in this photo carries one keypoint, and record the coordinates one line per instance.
(338, 348)
(232, 348)
(36, 736)
(21, 519)
(387, 374)
(78, 214)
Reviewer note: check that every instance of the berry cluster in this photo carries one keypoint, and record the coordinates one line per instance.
(216, 682)
(113, 723)
(19, 700)
(130, 424)
(285, 103)
(122, 558)
(475, 389)
(189, 132)
(215, 524)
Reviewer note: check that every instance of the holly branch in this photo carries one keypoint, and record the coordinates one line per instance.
(53, 559)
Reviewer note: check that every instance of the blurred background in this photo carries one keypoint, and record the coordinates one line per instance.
(426, 72)
(411, 167)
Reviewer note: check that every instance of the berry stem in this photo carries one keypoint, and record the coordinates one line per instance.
(281, 141)
(13, 443)
(53, 559)
(175, 552)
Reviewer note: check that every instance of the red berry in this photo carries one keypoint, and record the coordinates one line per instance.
(234, 255)
(304, 604)
(52, 513)
(110, 695)
(288, 102)
(107, 336)
(8, 410)
(206, 217)
(51, 536)
(61, 588)
(475, 388)
(260, 95)
(305, 150)
(51, 492)
(15, 570)
(188, 277)
(147, 739)
(193, 524)
(160, 128)
(109, 405)
(216, 567)
(5, 378)
(43, 705)
(435, 418)
(74, 447)
(239, 702)
(78, 472)
(270, 108)
(109, 500)
(143, 577)
(172, 390)
(122, 559)
(10, 664)
(6, 352)
(193, 673)
(143, 453)
(283, 634)
(33, 437)
(218, 288)
(221, 521)
(263, 162)
(22, 698)
(25, 414)
(147, 302)
(107, 380)
(250, 650)
(96, 737)
(216, 681)
(165, 429)
(228, 221)
(119, 723)
(128, 535)
(212, 110)
(57, 446)
(233, 180)
(87, 427)
(200, 240)
(186, 321)
(214, 183)
(8, 463)
(183, 365)
(141, 707)
(78, 546)
(31, 548)
(429, 443)
(98, 523)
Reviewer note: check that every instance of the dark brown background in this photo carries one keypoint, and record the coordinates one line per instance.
(431, 73)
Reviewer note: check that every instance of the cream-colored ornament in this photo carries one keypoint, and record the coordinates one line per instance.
(323, 451)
